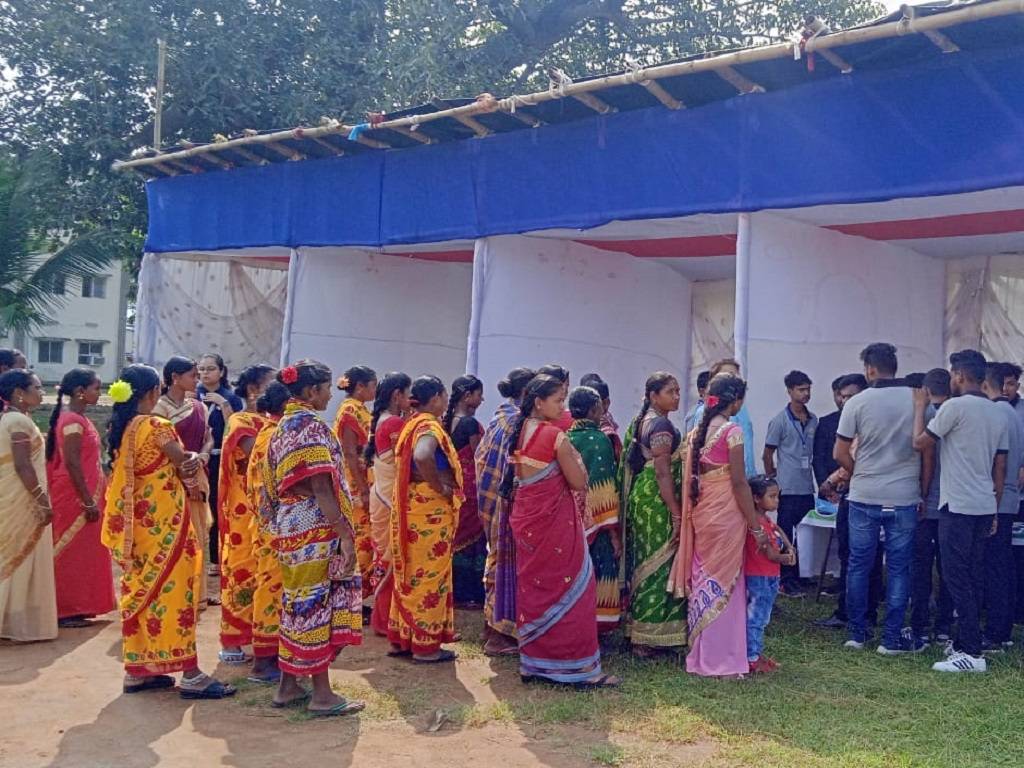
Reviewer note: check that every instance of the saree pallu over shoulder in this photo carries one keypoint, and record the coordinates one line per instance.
(352, 414)
(20, 529)
(266, 598)
(147, 528)
(556, 596)
(423, 525)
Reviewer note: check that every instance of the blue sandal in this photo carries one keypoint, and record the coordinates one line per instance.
(214, 689)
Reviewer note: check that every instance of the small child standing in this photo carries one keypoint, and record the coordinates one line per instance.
(761, 566)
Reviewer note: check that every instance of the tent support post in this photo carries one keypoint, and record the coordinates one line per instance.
(289, 306)
(741, 330)
(476, 305)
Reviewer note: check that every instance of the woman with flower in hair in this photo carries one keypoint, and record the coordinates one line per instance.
(556, 594)
(266, 596)
(147, 528)
(428, 493)
(650, 485)
(305, 504)
(238, 554)
(179, 404)
(352, 426)
(718, 510)
(389, 410)
(470, 545)
(28, 605)
(85, 587)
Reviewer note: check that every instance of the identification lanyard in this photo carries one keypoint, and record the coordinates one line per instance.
(805, 461)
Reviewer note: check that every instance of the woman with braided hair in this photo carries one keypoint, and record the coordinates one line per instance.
(389, 410)
(470, 543)
(556, 593)
(718, 510)
(82, 567)
(650, 479)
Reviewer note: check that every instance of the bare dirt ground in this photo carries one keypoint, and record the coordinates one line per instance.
(61, 706)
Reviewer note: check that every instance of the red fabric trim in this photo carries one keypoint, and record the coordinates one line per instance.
(162, 667)
(304, 472)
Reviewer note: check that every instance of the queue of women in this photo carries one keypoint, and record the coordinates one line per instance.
(403, 509)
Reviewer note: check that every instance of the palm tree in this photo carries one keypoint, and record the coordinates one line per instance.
(33, 255)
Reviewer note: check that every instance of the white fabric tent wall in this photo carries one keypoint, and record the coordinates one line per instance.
(540, 301)
(713, 315)
(354, 307)
(819, 297)
(191, 303)
(985, 306)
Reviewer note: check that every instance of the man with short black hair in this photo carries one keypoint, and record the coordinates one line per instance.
(973, 452)
(926, 538)
(790, 436)
(885, 492)
(12, 358)
(1000, 575)
(702, 387)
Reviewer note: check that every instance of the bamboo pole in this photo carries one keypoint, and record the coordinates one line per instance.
(662, 95)
(905, 26)
(158, 118)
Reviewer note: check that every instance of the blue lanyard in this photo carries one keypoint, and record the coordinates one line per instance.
(800, 428)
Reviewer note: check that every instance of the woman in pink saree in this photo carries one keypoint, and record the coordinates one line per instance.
(718, 510)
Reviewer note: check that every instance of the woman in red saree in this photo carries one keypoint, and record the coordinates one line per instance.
(556, 594)
(470, 543)
(179, 405)
(386, 424)
(234, 519)
(425, 515)
(85, 581)
(352, 425)
(718, 510)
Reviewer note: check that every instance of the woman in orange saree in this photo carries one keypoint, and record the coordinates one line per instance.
(425, 515)
(306, 505)
(266, 596)
(147, 528)
(82, 567)
(389, 407)
(352, 426)
(189, 416)
(234, 519)
(717, 512)
(556, 593)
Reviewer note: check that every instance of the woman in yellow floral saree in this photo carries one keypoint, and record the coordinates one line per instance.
(147, 528)
(234, 518)
(425, 515)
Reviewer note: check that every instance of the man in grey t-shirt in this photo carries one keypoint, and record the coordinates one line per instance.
(788, 451)
(885, 493)
(973, 451)
(999, 571)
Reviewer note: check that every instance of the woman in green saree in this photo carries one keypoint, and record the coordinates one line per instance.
(650, 484)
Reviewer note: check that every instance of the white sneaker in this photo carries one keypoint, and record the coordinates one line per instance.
(854, 645)
(961, 662)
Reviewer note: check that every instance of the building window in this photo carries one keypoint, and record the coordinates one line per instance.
(50, 351)
(90, 353)
(57, 285)
(94, 287)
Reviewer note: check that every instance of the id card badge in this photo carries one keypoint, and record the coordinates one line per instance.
(805, 462)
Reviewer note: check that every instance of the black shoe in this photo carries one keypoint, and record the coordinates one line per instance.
(832, 622)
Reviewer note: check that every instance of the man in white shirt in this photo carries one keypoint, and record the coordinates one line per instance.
(973, 456)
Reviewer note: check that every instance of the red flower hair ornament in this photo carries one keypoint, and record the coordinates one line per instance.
(289, 374)
(711, 401)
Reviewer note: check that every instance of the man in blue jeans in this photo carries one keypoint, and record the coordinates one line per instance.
(886, 480)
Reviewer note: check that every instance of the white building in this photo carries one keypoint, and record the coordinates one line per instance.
(87, 330)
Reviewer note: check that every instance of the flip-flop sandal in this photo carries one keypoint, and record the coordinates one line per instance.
(271, 679)
(215, 690)
(345, 708)
(73, 624)
(442, 657)
(602, 682)
(397, 654)
(510, 651)
(156, 683)
(234, 658)
(298, 700)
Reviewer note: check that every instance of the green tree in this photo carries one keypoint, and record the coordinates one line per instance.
(33, 258)
(83, 72)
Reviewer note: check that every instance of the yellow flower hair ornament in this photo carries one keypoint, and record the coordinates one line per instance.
(120, 391)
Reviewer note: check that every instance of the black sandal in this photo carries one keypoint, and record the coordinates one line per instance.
(155, 683)
(441, 658)
(215, 689)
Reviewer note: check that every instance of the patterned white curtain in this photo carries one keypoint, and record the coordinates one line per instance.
(713, 316)
(189, 304)
(985, 306)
